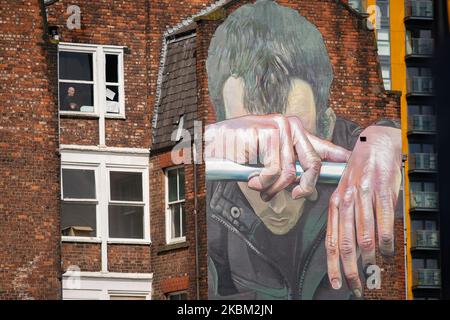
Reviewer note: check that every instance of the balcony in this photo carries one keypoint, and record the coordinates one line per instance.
(422, 163)
(427, 279)
(420, 47)
(425, 239)
(419, 10)
(422, 124)
(420, 86)
(424, 201)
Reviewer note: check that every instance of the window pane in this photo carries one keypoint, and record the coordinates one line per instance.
(178, 296)
(181, 186)
(183, 220)
(75, 66)
(429, 187)
(112, 99)
(430, 225)
(78, 219)
(427, 110)
(417, 225)
(76, 97)
(175, 212)
(78, 184)
(414, 148)
(428, 148)
(415, 186)
(112, 93)
(413, 110)
(126, 222)
(418, 263)
(432, 264)
(126, 186)
(111, 68)
(173, 192)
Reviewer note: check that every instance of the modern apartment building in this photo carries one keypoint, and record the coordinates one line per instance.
(411, 37)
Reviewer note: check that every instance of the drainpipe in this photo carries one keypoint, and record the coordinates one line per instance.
(405, 229)
(197, 271)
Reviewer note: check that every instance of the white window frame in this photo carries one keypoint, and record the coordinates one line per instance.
(169, 238)
(99, 78)
(104, 162)
(143, 203)
(95, 168)
(102, 285)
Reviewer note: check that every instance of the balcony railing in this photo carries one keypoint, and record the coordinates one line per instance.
(426, 239)
(422, 123)
(420, 85)
(420, 46)
(419, 9)
(423, 161)
(427, 278)
(424, 200)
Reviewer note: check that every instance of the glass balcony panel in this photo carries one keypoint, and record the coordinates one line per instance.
(420, 46)
(423, 161)
(422, 123)
(426, 239)
(427, 278)
(420, 85)
(424, 200)
(419, 8)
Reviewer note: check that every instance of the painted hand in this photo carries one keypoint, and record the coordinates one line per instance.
(370, 184)
(277, 142)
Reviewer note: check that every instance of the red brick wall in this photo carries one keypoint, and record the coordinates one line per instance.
(127, 258)
(86, 256)
(29, 183)
(170, 263)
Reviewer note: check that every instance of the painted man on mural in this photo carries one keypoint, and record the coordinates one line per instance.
(278, 236)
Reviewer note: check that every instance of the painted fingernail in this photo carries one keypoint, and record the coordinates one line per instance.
(297, 193)
(254, 183)
(265, 197)
(357, 293)
(336, 284)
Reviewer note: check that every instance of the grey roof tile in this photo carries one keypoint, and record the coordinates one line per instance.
(179, 92)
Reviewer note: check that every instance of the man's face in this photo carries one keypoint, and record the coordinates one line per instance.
(71, 91)
(281, 213)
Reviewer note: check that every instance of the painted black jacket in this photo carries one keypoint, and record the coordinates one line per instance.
(246, 261)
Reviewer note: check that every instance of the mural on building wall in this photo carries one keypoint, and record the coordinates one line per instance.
(273, 233)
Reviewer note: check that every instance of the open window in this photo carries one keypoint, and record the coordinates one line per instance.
(91, 80)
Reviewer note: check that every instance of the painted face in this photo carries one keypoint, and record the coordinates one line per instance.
(282, 213)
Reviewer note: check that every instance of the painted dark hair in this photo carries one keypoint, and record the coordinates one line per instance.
(268, 45)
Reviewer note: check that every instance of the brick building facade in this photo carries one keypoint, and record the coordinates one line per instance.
(120, 137)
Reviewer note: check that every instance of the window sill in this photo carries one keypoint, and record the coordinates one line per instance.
(80, 239)
(70, 114)
(115, 116)
(130, 241)
(172, 246)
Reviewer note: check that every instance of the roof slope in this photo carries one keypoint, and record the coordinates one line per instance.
(178, 92)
